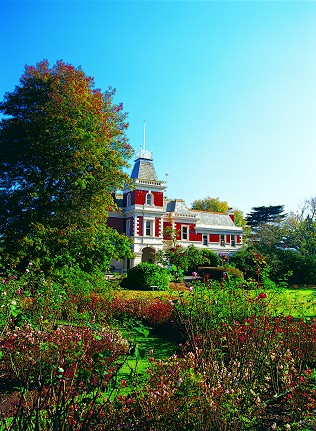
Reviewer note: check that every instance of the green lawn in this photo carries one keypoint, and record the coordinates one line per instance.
(135, 369)
(298, 302)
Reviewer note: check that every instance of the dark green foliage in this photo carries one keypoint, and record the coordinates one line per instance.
(146, 275)
(218, 273)
(264, 214)
(209, 257)
(63, 148)
(187, 259)
(243, 260)
(283, 264)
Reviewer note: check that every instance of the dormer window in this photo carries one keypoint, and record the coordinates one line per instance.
(149, 199)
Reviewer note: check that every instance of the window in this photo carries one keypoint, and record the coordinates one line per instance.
(128, 200)
(149, 199)
(232, 241)
(222, 240)
(204, 239)
(128, 227)
(184, 232)
(148, 228)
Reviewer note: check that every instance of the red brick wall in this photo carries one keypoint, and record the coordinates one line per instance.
(178, 230)
(193, 236)
(158, 199)
(157, 226)
(214, 237)
(140, 197)
(139, 225)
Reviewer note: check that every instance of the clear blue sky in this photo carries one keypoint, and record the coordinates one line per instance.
(227, 88)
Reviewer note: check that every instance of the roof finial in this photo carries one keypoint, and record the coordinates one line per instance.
(144, 154)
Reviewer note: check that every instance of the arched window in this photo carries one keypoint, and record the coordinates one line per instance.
(149, 199)
(128, 200)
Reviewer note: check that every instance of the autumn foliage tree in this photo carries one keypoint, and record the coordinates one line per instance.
(63, 148)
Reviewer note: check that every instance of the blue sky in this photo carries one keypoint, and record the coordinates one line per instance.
(227, 88)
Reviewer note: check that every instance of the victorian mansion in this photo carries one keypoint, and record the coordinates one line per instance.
(144, 213)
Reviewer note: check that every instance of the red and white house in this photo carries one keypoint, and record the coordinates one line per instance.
(144, 213)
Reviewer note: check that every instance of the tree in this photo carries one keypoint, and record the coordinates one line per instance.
(63, 149)
(215, 205)
(308, 208)
(211, 205)
(301, 235)
(264, 214)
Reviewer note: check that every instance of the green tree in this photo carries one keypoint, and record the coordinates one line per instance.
(215, 205)
(264, 214)
(210, 204)
(63, 148)
(301, 235)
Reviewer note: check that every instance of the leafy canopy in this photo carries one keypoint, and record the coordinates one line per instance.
(63, 148)
(215, 205)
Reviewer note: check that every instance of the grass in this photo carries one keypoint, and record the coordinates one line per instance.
(298, 302)
(135, 369)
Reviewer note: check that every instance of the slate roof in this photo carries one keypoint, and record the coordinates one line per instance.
(144, 169)
(202, 219)
(219, 220)
(177, 206)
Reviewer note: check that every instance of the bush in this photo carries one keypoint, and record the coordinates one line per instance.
(282, 264)
(198, 257)
(146, 275)
(27, 353)
(218, 273)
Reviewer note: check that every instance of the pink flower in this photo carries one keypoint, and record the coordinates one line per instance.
(194, 274)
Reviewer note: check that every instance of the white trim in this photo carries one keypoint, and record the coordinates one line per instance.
(187, 234)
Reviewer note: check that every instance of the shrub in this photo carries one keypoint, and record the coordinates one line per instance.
(28, 354)
(289, 264)
(146, 275)
(219, 273)
(153, 312)
(198, 257)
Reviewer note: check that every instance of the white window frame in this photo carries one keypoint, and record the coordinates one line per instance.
(204, 238)
(148, 228)
(185, 233)
(149, 199)
(233, 240)
(222, 240)
(128, 200)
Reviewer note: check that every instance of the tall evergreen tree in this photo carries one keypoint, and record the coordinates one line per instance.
(263, 214)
